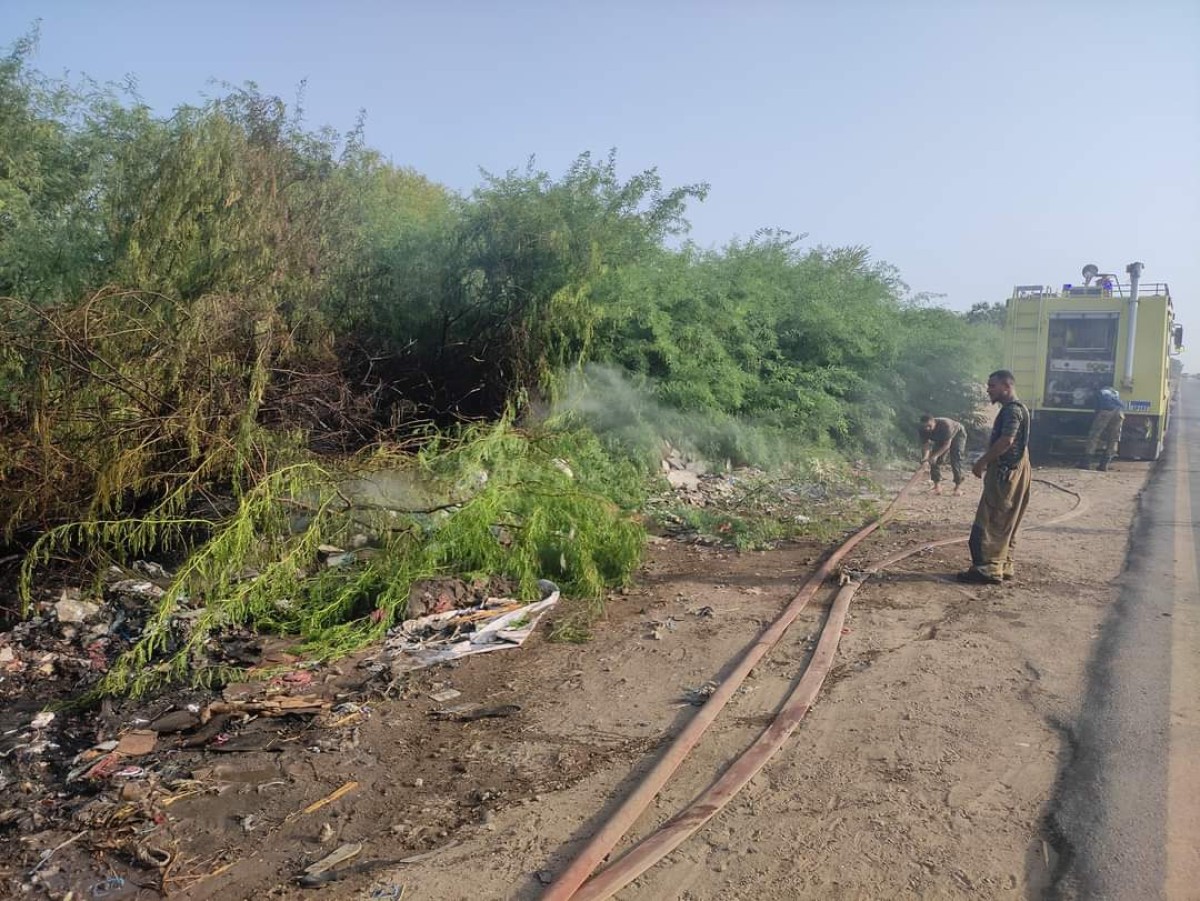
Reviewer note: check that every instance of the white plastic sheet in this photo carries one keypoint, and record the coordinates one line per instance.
(418, 643)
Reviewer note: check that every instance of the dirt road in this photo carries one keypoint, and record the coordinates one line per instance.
(1023, 741)
(946, 751)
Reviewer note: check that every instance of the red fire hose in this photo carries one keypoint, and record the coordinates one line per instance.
(675, 831)
(602, 843)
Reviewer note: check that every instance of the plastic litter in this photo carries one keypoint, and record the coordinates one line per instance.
(329, 861)
(495, 625)
(108, 887)
(73, 610)
(137, 588)
(43, 719)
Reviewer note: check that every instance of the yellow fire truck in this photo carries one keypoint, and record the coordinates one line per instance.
(1064, 345)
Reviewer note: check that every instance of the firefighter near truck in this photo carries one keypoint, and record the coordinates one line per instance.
(1065, 345)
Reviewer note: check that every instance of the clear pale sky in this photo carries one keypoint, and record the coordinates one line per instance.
(973, 145)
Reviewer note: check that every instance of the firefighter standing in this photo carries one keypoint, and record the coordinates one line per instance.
(1106, 430)
(1007, 476)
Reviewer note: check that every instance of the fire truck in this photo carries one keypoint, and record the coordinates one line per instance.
(1064, 345)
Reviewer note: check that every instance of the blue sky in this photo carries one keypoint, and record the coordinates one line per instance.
(973, 145)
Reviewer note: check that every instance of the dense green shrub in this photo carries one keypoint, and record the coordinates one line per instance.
(203, 314)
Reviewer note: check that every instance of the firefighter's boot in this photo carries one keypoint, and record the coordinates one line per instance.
(1104, 461)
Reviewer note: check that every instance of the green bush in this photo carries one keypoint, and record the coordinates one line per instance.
(208, 317)
(510, 504)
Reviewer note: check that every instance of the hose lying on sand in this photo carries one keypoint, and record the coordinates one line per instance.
(602, 843)
(676, 830)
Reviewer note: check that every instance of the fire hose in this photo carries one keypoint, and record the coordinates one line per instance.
(570, 885)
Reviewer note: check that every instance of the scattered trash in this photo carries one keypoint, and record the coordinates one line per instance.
(296, 677)
(496, 624)
(176, 721)
(42, 720)
(743, 494)
(348, 714)
(329, 861)
(333, 556)
(137, 743)
(108, 887)
(137, 588)
(209, 732)
(50, 852)
(111, 796)
(282, 706)
(321, 872)
(659, 629)
(318, 879)
(699, 696)
(70, 609)
(97, 769)
(683, 480)
(428, 855)
(150, 569)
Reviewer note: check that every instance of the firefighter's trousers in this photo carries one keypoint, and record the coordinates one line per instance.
(1105, 433)
(1001, 508)
(953, 456)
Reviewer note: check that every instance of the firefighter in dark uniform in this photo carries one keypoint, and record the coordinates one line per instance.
(1007, 477)
(943, 440)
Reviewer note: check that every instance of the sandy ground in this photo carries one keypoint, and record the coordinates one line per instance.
(926, 770)
(930, 767)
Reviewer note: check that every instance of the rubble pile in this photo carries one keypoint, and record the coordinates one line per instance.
(724, 505)
(95, 788)
(103, 782)
(73, 636)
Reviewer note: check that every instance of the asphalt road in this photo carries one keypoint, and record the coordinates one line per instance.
(1126, 815)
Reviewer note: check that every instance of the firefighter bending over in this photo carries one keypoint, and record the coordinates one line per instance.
(1006, 475)
(1106, 430)
(943, 439)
